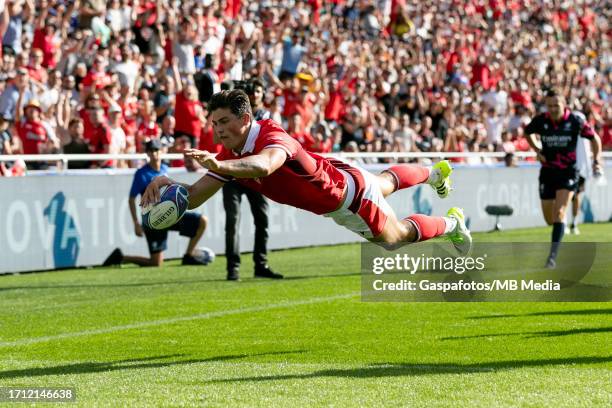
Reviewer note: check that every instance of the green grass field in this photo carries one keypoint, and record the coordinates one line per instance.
(183, 336)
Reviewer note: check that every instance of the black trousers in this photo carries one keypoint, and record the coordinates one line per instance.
(232, 197)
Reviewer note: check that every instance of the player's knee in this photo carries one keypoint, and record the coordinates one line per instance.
(548, 217)
(385, 242)
(394, 238)
(558, 215)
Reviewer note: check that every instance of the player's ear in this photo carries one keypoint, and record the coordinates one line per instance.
(246, 119)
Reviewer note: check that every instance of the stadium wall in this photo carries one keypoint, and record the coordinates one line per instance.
(77, 219)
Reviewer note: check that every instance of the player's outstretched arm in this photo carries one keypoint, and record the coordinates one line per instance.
(199, 192)
(258, 165)
(202, 190)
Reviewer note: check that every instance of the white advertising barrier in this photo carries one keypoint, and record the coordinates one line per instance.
(58, 221)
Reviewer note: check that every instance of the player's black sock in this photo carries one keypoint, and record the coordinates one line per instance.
(557, 236)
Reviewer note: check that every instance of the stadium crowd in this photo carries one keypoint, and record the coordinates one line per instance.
(95, 76)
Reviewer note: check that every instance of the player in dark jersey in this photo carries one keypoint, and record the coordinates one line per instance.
(559, 130)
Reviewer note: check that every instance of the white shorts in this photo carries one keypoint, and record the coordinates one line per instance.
(371, 213)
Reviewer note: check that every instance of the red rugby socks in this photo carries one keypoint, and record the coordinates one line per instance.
(408, 175)
(427, 227)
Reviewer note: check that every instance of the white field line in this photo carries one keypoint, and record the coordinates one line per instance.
(152, 323)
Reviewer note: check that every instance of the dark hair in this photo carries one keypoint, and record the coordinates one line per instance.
(236, 100)
(74, 121)
(552, 93)
(256, 82)
(247, 86)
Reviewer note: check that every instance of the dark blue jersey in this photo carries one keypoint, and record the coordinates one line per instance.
(559, 139)
(143, 177)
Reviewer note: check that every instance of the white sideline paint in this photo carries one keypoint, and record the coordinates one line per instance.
(152, 323)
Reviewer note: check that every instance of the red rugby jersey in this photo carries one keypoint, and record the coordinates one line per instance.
(306, 180)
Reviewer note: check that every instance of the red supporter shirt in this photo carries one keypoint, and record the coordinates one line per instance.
(587, 22)
(32, 135)
(145, 7)
(168, 54)
(48, 44)
(452, 58)
(291, 101)
(306, 180)
(98, 137)
(305, 139)
(316, 6)
(481, 73)
(206, 141)
(98, 79)
(185, 113)
(130, 110)
(232, 8)
(84, 115)
(38, 74)
(335, 106)
(322, 147)
(305, 109)
(521, 98)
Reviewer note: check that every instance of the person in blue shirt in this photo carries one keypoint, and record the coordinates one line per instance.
(293, 50)
(19, 12)
(192, 225)
(10, 96)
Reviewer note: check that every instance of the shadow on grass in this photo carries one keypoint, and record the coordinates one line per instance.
(548, 333)
(249, 280)
(553, 313)
(399, 370)
(128, 364)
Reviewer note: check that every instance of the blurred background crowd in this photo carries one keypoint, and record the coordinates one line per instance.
(95, 76)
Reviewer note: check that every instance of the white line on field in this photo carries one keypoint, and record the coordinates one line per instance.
(203, 316)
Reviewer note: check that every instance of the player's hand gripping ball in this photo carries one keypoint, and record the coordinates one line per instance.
(172, 205)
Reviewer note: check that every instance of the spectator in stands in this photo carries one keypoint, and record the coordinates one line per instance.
(99, 136)
(118, 139)
(8, 99)
(189, 113)
(147, 127)
(322, 142)
(167, 130)
(293, 51)
(164, 99)
(77, 144)
(34, 135)
(19, 11)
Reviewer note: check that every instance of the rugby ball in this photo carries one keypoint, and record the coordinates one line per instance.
(204, 254)
(172, 205)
